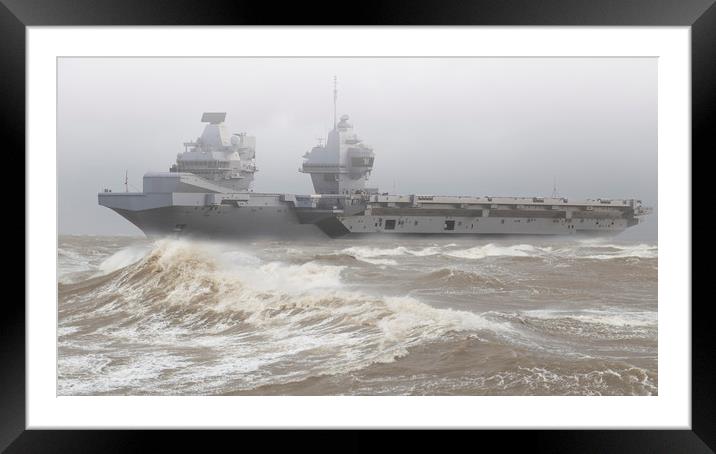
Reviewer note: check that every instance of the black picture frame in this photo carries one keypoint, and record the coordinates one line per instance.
(700, 15)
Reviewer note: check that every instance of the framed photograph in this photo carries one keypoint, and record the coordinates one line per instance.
(443, 216)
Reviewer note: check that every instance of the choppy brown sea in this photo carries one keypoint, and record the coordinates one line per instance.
(379, 317)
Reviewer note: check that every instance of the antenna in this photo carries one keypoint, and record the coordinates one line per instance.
(335, 100)
(554, 188)
(126, 181)
(320, 141)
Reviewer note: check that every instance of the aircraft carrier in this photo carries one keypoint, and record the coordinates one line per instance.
(207, 193)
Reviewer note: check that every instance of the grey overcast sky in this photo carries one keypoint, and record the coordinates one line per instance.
(450, 126)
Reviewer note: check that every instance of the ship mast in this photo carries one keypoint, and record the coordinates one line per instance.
(335, 101)
(555, 194)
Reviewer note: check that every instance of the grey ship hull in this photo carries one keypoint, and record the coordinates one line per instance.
(232, 223)
(286, 216)
(221, 222)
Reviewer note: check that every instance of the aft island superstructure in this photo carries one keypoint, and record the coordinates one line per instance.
(207, 193)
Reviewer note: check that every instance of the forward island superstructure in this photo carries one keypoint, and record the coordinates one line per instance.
(207, 193)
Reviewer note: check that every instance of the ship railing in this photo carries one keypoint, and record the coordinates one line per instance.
(643, 211)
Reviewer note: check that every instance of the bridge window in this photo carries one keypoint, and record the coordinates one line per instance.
(390, 224)
(449, 225)
(361, 162)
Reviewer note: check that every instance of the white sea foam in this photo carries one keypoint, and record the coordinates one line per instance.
(618, 380)
(368, 252)
(582, 249)
(138, 372)
(122, 258)
(388, 262)
(71, 264)
(476, 252)
(492, 250)
(373, 255)
(613, 318)
(623, 251)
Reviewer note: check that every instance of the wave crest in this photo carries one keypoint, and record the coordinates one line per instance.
(262, 314)
(460, 278)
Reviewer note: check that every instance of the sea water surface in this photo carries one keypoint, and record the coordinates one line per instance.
(385, 316)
